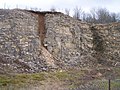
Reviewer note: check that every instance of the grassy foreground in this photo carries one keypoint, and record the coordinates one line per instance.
(71, 78)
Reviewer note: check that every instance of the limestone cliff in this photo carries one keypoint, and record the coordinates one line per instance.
(35, 41)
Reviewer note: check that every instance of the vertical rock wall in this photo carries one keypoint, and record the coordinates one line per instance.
(19, 42)
(34, 41)
(107, 44)
(69, 40)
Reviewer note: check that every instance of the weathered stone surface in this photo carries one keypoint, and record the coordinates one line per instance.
(108, 37)
(69, 40)
(20, 42)
(76, 43)
(35, 41)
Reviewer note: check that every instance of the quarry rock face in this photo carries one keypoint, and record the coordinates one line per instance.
(19, 42)
(69, 40)
(35, 41)
(107, 44)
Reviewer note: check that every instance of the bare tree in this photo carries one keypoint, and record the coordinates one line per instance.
(118, 17)
(77, 13)
(114, 17)
(4, 5)
(100, 15)
(103, 15)
(93, 15)
(67, 11)
(53, 9)
(87, 17)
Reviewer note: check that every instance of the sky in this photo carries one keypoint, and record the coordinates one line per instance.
(86, 5)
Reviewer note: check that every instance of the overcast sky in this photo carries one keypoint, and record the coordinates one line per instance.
(111, 5)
